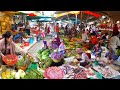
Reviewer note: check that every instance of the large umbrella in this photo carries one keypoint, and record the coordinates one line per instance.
(36, 17)
(80, 14)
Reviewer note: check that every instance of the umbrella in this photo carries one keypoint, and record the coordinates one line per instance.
(32, 14)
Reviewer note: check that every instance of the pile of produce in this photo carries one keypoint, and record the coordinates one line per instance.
(89, 72)
(72, 72)
(34, 74)
(118, 52)
(68, 71)
(66, 39)
(54, 73)
(7, 74)
(46, 63)
(12, 74)
(23, 62)
(43, 54)
(81, 75)
(71, 53)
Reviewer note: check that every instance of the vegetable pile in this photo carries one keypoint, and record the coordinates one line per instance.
(34, 74)
(81, 75)
(46, 63)
(54, 73)
(12, 74)
(118, 52)
(43, 54)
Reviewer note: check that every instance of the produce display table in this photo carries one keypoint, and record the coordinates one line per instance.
(27, 48)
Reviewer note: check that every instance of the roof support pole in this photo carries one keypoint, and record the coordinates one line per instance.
(76, 18)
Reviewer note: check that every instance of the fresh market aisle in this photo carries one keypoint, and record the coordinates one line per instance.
(37, 46)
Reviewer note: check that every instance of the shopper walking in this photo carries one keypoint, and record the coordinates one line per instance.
(27, 28)
(57, 29)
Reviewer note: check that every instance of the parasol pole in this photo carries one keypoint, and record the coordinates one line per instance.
(68, 18)
(81, 19)
(81, 16)
(76, 18)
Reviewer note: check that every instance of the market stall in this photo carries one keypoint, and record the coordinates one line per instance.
(64, 57)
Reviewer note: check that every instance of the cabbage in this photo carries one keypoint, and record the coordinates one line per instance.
(43, 54)
(17, 75)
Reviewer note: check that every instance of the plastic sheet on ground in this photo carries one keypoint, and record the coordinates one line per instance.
(107, 71)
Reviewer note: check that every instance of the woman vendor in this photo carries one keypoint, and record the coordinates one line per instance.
(57, 40)
(7, 46)
(84, 59)
(61, 51)
(54, 44)
(97, 50)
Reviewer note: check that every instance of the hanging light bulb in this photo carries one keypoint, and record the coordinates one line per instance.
(108, 20)
(118, 21)
(103, 17)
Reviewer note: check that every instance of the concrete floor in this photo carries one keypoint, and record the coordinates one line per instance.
(38, 46)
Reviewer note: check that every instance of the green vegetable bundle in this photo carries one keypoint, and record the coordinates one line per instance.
(79, 46)
(118, 52)
(47, 63)
(34, 74)
(43, 54)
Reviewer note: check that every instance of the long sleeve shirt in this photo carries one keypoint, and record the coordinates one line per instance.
(114, 42)
(11, 48)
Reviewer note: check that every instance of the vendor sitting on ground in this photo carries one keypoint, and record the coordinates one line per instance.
(111, 55)
(54, 44)
(57, 40)
(19, 36)
(7, 46)
(97, 50)
(84, 59)
(62, 47)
